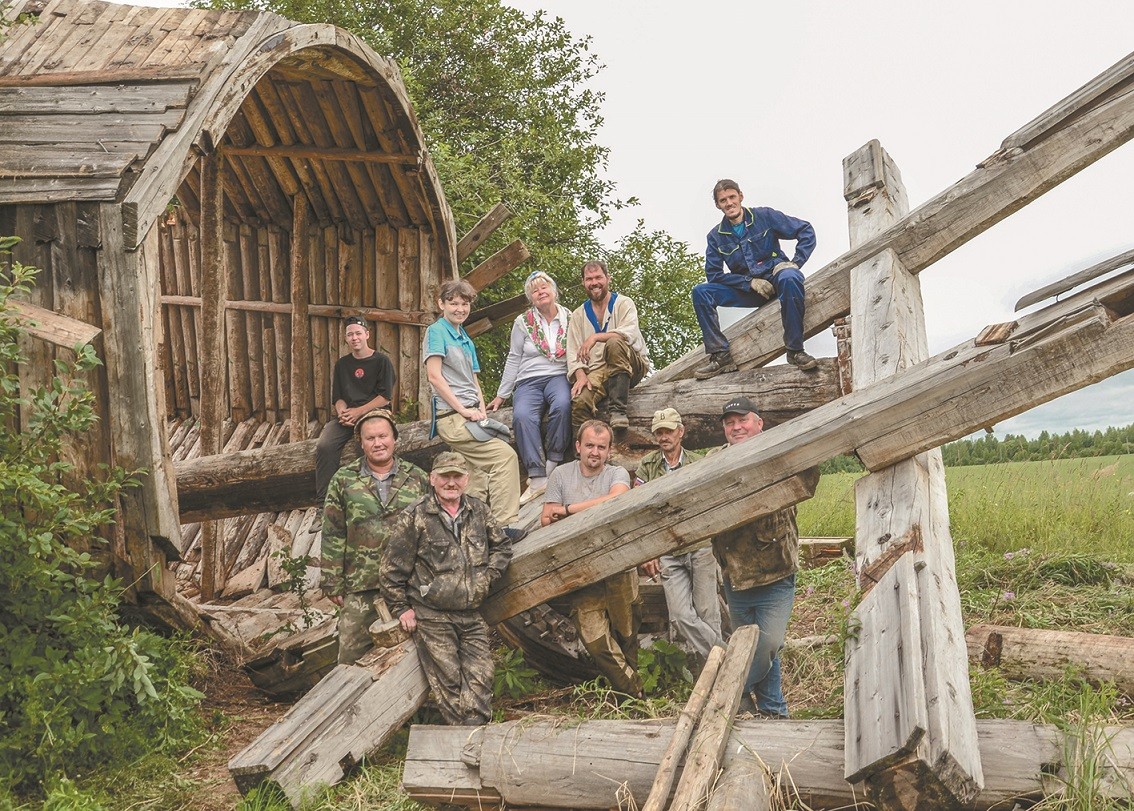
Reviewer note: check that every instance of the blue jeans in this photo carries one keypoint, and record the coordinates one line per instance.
(707, 296)
(768, 606)
(528, 401)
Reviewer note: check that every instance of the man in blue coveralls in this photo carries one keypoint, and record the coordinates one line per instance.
(746, 267)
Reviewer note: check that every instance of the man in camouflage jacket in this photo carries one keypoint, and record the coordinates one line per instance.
(364, 499)
(441, 560)
(759, 560)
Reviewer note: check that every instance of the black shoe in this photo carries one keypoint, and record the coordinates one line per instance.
(747, 705)
(718, 362)
(802, 360)
(619, 421)
(515, 534)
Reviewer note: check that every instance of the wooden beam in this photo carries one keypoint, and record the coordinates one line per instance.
(595, 764)
(480, 232)
(1034, 653)
(54, 328)
(321, 153)
(499, 265)
(708, 747)
(1076, 279)
(687, 722)
(1068, 141)
(943, 398)
(102, 77)
(300, 373)
(212, 354)
(502, 312)
(282, 477)
(413, 318)
(907, 691)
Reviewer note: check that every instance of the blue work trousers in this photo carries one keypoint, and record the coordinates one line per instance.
(707, 296)
(530, 399)
(768, 606)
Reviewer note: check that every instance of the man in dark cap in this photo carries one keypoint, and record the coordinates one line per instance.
(439, 565)
(759, 561)
(362, 381)
(363, 502)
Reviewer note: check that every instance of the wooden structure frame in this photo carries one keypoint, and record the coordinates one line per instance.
(213, 190)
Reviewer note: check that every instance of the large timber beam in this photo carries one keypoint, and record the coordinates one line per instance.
(1089, 124)
(912, 746)
(941, 399)
(283, 476)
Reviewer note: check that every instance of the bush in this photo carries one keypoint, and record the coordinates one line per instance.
(77, 689)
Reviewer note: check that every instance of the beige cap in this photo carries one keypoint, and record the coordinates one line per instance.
(666, 418)
(450, 462)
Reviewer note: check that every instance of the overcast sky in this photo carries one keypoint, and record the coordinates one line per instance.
(774, 95)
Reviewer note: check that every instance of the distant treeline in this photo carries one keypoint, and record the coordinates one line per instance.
(989, 450)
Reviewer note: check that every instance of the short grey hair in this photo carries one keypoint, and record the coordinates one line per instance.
(540, 276)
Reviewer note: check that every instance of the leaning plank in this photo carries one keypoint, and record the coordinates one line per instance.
(482, 231)
(940, 399)
(1068, 142)
(282, 477)
(916, 706)
(687, 721)
(344, 719)
(54, 328)
(1034, 653)
(499, 265)
(549, 763)
(502, 312)
(1076, 279)
(707, 750)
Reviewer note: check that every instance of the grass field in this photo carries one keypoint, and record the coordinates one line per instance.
(1067, 505)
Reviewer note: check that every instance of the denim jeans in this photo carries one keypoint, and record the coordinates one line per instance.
(768, 606)
(529, 399)
(707, 296)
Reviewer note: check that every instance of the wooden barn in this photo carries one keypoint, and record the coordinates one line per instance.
(208, 193)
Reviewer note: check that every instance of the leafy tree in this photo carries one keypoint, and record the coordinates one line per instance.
(505, 102)
(77, 689)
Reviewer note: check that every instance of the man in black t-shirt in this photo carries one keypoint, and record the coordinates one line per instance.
(363, 381)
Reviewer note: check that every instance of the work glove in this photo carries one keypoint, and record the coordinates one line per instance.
(762, 287)
(784, 266)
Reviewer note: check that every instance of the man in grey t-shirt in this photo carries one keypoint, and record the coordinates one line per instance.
(606, 613)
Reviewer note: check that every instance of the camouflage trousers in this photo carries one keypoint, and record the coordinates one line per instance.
(607, 616)
(457, 660)
(355, 618)
(618, 358)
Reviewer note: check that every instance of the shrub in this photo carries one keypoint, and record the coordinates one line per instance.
(77, 689)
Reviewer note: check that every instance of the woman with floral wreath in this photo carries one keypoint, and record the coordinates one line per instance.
(535, 376)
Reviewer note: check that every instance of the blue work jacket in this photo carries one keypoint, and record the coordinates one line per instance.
(758, 251)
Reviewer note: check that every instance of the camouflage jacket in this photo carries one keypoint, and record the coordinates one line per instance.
(428, 564)
(760, 552)
(356, 523)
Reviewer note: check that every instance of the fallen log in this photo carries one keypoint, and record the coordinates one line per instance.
(282, 477)
(1090, 123)
(1033, 653)
(940, 399)
(348, 715)
(560, 764)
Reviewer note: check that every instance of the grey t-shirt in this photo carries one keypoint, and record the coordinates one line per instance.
(568, 485)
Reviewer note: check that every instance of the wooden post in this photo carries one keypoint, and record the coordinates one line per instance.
(910, 728)
(212, 354)
(686, 723)
(708, 747)
(482, 231)
(497, 266)
(301, 393)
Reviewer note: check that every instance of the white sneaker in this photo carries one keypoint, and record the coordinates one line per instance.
(536, 488)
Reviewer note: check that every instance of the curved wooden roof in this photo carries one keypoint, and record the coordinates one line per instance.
(114, 103)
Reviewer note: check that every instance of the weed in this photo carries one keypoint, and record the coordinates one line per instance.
(513, 678)
(664, 668)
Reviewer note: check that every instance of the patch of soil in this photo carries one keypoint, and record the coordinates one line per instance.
(237, 712)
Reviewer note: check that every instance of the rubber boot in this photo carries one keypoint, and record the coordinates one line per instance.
(617, 391)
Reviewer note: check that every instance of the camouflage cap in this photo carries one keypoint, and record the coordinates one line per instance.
(666, 418)
(450, 462)
(377, 413)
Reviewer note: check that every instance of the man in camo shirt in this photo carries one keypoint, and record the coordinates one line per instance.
(364, 499)
(444, 555)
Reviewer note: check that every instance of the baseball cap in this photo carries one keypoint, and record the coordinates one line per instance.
(450, 462)
(738, 405)
(666, 418)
